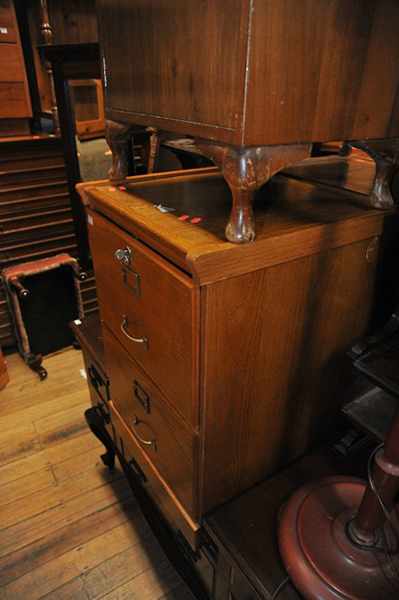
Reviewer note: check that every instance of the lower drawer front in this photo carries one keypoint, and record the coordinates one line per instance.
(169, 445)
(155, 485)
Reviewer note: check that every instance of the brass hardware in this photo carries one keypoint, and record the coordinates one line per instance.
(150, 443)
(135, 288)
(142, 396)
(124, 255)
(137, 340)
(371, 250)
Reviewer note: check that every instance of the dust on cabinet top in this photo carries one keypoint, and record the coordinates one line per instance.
(294, 216)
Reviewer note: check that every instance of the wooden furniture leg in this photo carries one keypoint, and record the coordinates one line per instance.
(385, 154)
(153, 151)
(95, 421)
(34, 362)
(48, 38)
(245, 171)
(118, 136)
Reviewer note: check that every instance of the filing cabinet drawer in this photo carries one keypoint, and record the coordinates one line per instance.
(152, 308)
(152, 481)
(168, 443)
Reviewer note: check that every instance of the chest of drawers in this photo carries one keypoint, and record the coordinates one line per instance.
(225, 362)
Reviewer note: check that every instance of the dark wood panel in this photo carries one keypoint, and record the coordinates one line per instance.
(13, 101)
(265, 72)
(33, 175)
(12, 67)
(73, 21)
(203, 84)
(339, 61)
(8, 31)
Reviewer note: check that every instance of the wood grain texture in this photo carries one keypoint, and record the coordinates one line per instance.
(174, 446)
(149, 306)
(4, 377)
(304, 215)
(277, 317)
(155, 484)
(180, 75)
(277, 389)
(254, 73)
(15, 102)
(9, 31)
(68, 529)
(73, 22)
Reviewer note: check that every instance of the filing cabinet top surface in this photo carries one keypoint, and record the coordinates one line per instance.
(304, 212)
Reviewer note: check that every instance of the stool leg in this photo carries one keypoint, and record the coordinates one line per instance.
(34, 362)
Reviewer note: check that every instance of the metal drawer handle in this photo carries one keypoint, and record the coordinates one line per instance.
(137, 340)
(150, 443)
(124, 255)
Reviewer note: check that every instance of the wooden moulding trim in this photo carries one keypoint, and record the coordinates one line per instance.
(209, 267)
(207, 259)
(205, 130)
(210, 262)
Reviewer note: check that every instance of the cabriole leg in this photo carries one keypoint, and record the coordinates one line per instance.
(118, 137)
(385, 154)
(245, 171)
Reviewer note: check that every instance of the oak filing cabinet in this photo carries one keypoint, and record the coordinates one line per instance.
(225, 362)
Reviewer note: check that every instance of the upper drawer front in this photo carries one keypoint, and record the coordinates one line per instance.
(152, 481)
(8, 32)
(151, 308)
(169, 445)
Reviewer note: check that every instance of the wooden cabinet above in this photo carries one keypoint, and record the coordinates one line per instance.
(256, 82)
(254, 72)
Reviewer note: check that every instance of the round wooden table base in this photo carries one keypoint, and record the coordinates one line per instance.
(318, 553)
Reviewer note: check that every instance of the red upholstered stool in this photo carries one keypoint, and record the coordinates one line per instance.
(44, 296)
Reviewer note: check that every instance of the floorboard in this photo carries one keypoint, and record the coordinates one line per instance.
(69, 528)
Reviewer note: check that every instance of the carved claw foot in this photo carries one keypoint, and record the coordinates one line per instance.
(385, 154)
(245, 171)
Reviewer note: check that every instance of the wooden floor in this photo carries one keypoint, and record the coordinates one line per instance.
(69, 529)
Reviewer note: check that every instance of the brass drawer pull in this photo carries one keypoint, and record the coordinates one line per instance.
(124, 255)
(137, 340)
(150, 443)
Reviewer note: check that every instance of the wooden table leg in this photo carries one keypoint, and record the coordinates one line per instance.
(245, 171)
(118, 136)
(385, 154)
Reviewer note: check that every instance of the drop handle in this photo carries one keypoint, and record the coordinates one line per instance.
(132, 338)
(150, 443)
